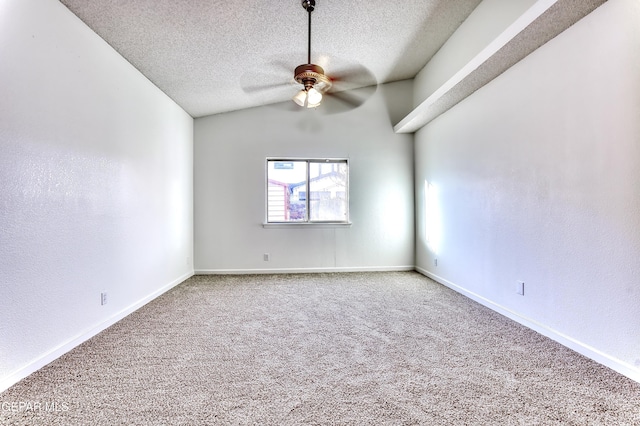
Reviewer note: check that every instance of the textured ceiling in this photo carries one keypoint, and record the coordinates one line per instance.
(215, 56)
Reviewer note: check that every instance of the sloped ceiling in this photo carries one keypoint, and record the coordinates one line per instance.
(215, 56)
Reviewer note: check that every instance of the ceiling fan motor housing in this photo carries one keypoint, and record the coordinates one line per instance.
(311, 75)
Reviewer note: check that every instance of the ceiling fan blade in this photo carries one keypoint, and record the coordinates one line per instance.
(270, 77)
(352, 77)
(283, 67)
(257, 88)
(348, 99)
(338, 102)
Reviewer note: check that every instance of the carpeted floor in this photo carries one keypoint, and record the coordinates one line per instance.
(384, 348)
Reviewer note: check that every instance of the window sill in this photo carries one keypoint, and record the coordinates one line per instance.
(306, 224)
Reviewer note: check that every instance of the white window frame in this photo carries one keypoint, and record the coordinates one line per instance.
(308, 221)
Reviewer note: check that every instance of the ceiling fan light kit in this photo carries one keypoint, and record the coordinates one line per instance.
(308, 98)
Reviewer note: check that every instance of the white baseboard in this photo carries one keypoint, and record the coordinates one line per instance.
(303, 270)
(598, 356)
(55, 353)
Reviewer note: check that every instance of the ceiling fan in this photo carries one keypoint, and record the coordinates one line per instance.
(311, 76)
(318, 86)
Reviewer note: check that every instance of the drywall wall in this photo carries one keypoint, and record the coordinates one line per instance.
(230, 182)
(535, 178)
(96, 186)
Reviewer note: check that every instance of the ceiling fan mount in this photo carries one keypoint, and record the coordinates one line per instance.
(309, 5)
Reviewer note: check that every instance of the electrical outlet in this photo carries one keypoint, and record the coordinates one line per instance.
(103, 298)
(520, 288)
(188, 261)
(435, 262)
(266, 257)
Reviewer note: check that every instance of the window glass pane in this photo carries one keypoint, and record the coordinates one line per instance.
(327, 191)
(286, 192)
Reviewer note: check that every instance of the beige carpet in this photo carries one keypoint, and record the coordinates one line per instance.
(320, 349)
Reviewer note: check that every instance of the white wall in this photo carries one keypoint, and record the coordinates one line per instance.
(229, 183)
(538, 178)
(96, 186)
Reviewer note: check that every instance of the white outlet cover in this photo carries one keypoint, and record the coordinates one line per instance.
(520, 288)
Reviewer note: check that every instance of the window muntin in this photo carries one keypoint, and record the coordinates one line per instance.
(307, 191)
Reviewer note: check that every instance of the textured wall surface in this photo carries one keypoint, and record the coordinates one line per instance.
(537, 177)
(229, 184)
(96, 185)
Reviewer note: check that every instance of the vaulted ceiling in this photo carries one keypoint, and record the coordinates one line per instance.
(213, 56)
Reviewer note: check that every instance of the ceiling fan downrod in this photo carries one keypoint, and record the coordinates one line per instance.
(309, 5)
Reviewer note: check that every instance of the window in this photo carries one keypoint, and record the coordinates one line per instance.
(325, 181)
